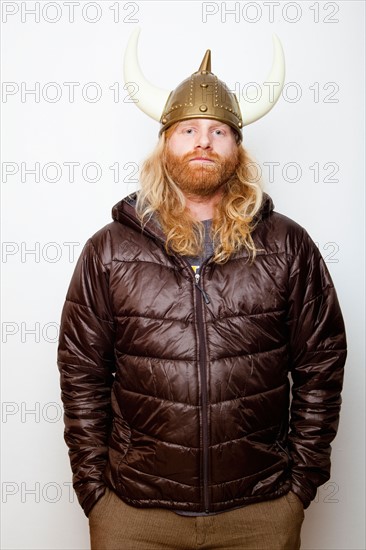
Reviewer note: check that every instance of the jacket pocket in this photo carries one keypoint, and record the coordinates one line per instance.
(282, 450)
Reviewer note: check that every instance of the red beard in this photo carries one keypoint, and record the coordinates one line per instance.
(200, 179)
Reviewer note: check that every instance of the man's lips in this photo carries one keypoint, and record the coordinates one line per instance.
(202, 159)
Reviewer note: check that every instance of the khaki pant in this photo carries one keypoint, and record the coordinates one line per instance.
(270, 525)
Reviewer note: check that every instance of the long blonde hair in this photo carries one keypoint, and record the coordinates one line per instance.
(234, 219)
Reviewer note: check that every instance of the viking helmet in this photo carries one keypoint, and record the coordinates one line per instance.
(203, 95)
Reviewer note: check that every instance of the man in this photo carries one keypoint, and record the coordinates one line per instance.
(183, 320)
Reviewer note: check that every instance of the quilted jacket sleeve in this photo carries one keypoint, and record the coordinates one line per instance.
(318, 353)
(86, 365)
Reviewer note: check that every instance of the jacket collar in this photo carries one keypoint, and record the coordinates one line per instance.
(124, 212)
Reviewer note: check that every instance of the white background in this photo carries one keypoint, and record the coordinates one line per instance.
(319, 120)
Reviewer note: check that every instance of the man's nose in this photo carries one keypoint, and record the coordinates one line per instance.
(203, 139)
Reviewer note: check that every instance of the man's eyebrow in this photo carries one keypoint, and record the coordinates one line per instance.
(219, 125)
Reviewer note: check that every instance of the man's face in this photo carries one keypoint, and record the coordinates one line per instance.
(201, 155)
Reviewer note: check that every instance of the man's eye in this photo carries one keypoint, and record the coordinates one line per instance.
(219, 132)
(189, 130)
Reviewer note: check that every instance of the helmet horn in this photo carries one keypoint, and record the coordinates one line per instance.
(254, 111)
(150, 99)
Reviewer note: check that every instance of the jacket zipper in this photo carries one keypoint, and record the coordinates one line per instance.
(202, 365)
(204, 294)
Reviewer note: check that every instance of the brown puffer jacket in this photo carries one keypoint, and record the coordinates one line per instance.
(176, 392)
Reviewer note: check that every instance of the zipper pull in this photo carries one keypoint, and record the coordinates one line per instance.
(205, 296)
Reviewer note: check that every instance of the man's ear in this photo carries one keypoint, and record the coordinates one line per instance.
(237, 136)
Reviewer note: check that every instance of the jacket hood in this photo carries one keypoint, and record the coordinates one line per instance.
(124, 212)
